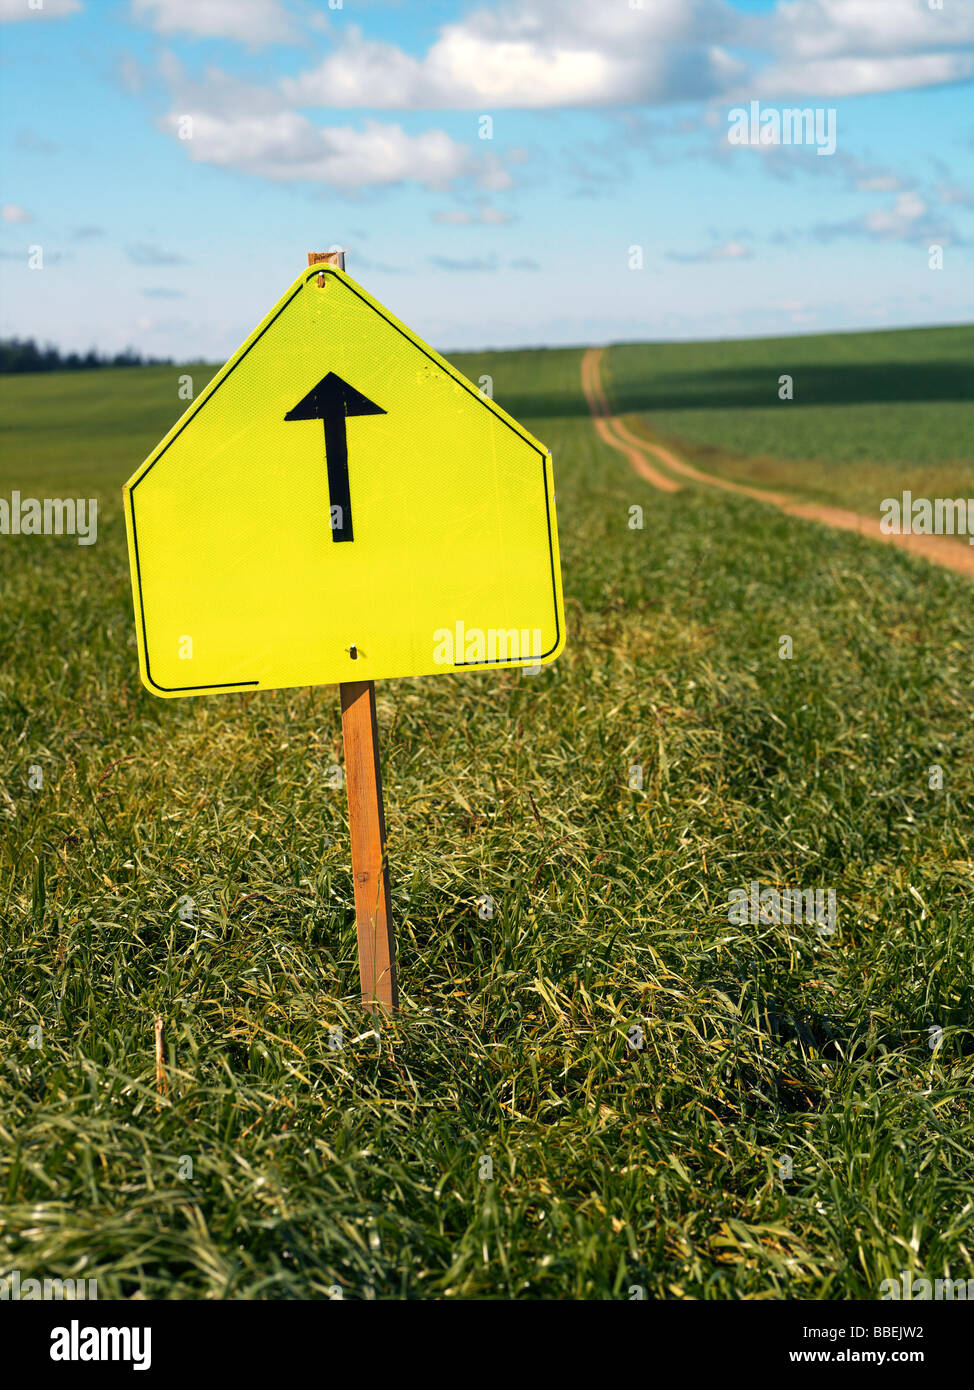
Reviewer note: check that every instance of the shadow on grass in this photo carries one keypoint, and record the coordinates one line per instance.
(744, 388)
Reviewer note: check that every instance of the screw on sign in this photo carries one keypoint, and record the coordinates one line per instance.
(267, 552)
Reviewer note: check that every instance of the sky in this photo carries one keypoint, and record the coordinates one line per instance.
(499, 174)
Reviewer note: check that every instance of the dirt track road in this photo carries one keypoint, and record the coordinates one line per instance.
(643, 456)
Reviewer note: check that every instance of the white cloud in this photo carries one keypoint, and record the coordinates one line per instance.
(545, 53)
(284, 146)
(10, 212)
(13, 10)
(836, 48)
(808, 29)
(241, 125)
(729, 251)
(854, 76)
(894, 221)
(538, 53)
(908, 218)
(252, 22)
(218, 93)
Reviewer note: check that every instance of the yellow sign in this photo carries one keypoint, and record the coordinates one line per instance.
(340, 504)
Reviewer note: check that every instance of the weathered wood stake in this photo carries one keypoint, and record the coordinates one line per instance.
(366, 822)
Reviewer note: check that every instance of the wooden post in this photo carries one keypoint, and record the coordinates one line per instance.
(366, 822)
(370, 864)
(162, 1085)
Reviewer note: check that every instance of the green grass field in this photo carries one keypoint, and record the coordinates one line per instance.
(361, 1167)
(872, 414)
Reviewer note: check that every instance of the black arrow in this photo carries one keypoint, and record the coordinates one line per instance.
(333, 400)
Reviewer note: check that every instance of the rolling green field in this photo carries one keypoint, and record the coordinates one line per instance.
(872, 414)
(792, 1125)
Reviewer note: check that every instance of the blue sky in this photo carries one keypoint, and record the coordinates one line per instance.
(361, 125)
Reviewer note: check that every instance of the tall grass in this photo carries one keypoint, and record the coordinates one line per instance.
(504, 1138)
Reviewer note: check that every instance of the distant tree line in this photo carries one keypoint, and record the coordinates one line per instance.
(24, 355)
